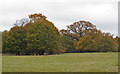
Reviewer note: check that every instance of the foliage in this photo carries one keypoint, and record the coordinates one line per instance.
(14, 40)
(78, 29)
(37, 35)
(86, 44)
(4, 41)
(42, 36)
(66, 43)
(87, 37)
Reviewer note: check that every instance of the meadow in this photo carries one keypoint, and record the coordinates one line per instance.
(68, 62)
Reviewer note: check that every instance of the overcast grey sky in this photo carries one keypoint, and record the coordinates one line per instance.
(102, 13)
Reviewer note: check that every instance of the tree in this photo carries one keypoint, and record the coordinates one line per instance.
(86, 44)
(22, 22)
(42, 35)
(4, 41)
(66, 43)
(78, 29)
(14, 41)
(36, 35)
(37, 17)
(106, 43)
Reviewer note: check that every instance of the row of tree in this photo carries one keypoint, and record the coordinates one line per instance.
(85, 37)
(37, 35)
(34, 36)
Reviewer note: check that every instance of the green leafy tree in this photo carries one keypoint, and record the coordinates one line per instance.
(42, 35)
(15, 40)
(5, 41)
(66, 43)
(106, 43)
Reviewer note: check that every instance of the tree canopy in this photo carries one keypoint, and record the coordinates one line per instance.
(37, 35)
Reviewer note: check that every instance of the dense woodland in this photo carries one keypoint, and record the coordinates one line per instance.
(37, 35)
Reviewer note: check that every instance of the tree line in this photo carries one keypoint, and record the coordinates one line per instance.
(37, 35)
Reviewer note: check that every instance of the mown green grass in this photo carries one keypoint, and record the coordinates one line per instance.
(69, 62)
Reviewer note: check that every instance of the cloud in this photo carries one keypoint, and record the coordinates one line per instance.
(102, 13)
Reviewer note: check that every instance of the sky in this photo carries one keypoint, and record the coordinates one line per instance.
(102, 13)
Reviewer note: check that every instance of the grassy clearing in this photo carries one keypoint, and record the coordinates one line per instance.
(69, 62)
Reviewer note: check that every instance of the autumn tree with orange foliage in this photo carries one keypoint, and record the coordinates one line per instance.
(41, 35)
(87, 38)
(37, 35)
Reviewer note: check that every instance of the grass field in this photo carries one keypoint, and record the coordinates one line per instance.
(69, 62)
